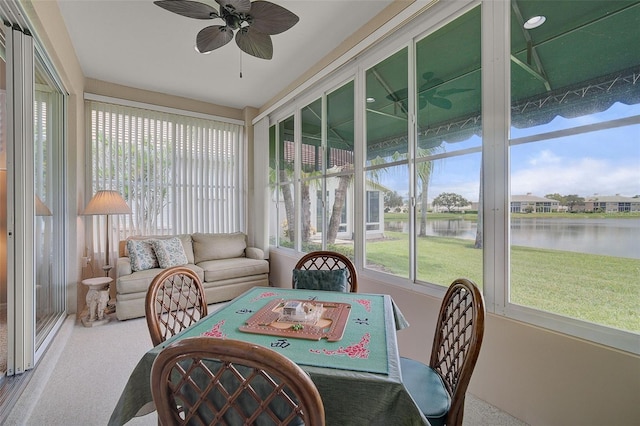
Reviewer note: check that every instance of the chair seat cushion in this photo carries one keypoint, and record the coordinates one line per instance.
(427, 389)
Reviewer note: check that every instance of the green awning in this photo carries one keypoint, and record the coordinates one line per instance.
(582, 60)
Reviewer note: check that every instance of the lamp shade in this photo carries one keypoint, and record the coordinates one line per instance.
(107, 202)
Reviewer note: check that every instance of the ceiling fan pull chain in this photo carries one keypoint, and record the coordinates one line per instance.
(240, 64)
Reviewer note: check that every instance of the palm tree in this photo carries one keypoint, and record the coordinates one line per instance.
(338, 204)
(424, 170)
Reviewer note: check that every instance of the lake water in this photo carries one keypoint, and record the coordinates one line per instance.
(610, 237)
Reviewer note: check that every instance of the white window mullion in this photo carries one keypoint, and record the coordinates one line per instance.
(495, 125)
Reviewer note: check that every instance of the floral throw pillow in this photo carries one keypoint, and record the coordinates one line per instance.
(335, 280)
(170, 252)
(141, 255)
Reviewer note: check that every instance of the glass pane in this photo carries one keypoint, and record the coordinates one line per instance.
(273, 188)
(387, 239)
(313, 215)
(49, 249)
(286, 217)
(311, 138)
(449, 231)
(340, 214)
(340, 129)
(308, 192)
(448, 86)
(387, 109)
(286, 149)
(339, 186)
(554, 77)
(575, 206)
(387, 227)
(286, 198)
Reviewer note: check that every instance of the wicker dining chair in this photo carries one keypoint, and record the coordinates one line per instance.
(210, 381)
(439, 388)
(175, 300)
(328, 261)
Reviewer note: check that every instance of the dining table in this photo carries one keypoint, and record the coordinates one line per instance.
(354, 362)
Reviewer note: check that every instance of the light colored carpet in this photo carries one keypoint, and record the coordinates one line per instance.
(80, 378)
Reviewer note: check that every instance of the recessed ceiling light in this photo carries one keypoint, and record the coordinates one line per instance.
(534, 22)
(371, 100)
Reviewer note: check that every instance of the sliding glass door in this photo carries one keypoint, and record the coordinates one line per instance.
(32, 194)
(3, 208)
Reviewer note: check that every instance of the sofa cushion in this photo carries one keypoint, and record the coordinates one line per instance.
(222, 269)
(314, 279)
(170, 252)
(142, 255)
(218, 246)
(140, 281)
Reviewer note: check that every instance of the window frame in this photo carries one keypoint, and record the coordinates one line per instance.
(496, 103)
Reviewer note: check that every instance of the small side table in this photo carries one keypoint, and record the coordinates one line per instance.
(97, 299)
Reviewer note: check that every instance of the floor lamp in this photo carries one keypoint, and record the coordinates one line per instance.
(107, 202)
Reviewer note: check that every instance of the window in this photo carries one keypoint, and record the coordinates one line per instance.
(325, 170)
(282, 147)
(574, 148)
(449, 153)
(178, 174)
(552, 174)
(386, 163)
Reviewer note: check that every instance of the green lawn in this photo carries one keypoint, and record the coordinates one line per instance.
(600, 289)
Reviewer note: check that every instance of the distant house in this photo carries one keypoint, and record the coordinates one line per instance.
(531, 203)
(611, 204)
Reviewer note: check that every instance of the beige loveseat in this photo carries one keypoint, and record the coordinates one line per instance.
(224, 263)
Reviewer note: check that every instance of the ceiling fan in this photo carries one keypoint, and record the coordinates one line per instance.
(254, 23)
(428, 93)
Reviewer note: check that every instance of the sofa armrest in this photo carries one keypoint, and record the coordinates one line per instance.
(123, 266)
(254, 253)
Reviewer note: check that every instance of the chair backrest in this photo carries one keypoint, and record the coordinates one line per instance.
(329, 260)
(205, 380)
(175, 300)
(457, 342)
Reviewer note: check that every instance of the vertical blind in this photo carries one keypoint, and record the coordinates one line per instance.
(178, 174)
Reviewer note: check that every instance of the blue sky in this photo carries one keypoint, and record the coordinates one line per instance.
(605, 162)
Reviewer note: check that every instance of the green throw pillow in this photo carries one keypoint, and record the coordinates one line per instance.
(335, 280)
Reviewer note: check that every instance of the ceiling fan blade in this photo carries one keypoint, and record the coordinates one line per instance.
(213, 37)
(398, 95)
(255, 43)
(188, 8)
(270, 18)
(238, 6)
(440, 102)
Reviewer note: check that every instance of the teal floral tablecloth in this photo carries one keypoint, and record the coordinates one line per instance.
(358, 377)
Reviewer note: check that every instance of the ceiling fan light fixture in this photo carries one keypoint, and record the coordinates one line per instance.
(534, 22)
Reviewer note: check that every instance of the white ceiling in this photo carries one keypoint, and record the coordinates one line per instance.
(138, 44)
